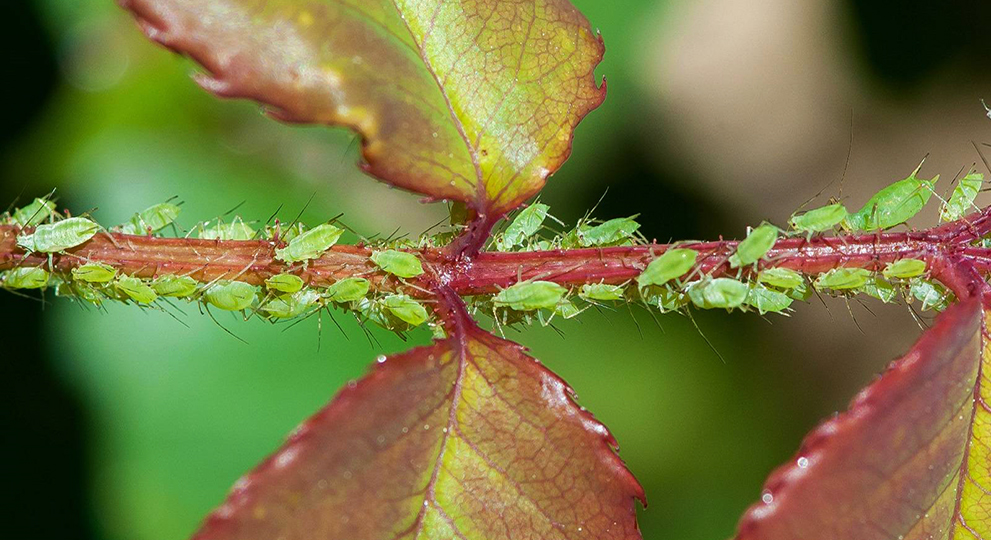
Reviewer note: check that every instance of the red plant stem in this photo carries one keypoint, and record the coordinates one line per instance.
(944, 248)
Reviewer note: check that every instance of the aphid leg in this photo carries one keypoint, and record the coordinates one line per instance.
(224, 328)
(704, 337)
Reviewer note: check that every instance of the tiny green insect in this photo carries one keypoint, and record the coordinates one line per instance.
(94, 273)
(398, 263)
(671, 264)
(932, 295)
(782, 278)
(893, 205)
(904, 269)
(59, 236)
(235, 230)
(766, 300)
(284, 283)
(83, 291)
(311, 244)
(174, 286)
(405, 309)
(725, 293)
(287, 306)
(152, 219)
(754, 246)
(962, 199)
(36, 213)
(373, 311)
(231, 295)
(613, 232)
(879, 288)
(567, 310)
(286, 234)
(347, 290)
(601, 291)
(523, 226)
(841, 279)
(530, 296)
(25, 277)
(663, 298)
(819, 220)
(135, 289)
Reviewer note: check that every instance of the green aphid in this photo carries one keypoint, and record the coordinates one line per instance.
(285, 234)
(962, 199)
(611, 233)
(842, 279)
(932, 295)
(782, 278)
(601, 292)
(725, 293)
(398, 263)
(25, 277)
(530, 296)
(523, 226)
(94, 273)
(287, 306)
(766, 300)
(235, 230)
(567, 310)
(672, 264)
(135, 289)
(405, 309)
(754, 246)
(174, 286)
(664, 299)
(347, 290)
(879, 288)
(231, 295)
(819, 220)
(83, 291)
(438, 332)
(904, 269)
(310, 244)
(373, 311)
(36, 213)
(893, 205)
(152, 219)
(59, 236)
(284, 283)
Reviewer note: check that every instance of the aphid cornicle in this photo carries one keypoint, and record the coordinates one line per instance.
(25, 277)
(398, 263)
(135, 289)
(94, 273)
(347, 290)
(152, 219)
(174, 286)
(893, 205)
(672, 264)
(35, 213)
(842, 279)
(904, 269)
(962, 200)
(819, 220)
(725, 293)
(231, 295)
(58, 236)
(754, 246)
(284, 283)
(530, 296)
(311, 244)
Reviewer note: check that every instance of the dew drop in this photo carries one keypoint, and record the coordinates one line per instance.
(803, 462)
(381, 359)
(405, 430)
(767, 498)
(352, 384)
(426, 426)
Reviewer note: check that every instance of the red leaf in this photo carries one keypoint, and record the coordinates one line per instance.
(909, 460)
(467, 438)
(460, 99)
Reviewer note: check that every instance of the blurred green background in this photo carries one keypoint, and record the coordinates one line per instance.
(721, 113)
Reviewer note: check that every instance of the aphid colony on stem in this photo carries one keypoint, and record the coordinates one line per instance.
(747, 276)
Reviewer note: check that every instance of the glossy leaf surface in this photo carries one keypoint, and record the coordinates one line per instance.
(473, 100)
(910, 458)
(467, 438)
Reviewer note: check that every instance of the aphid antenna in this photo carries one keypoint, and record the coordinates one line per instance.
(170, 314)
(232, 210)
(173, 306)
(915, 316)
(704, 337)
(224, 328)
(267, 221)
(432, 227)
(389, 238)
